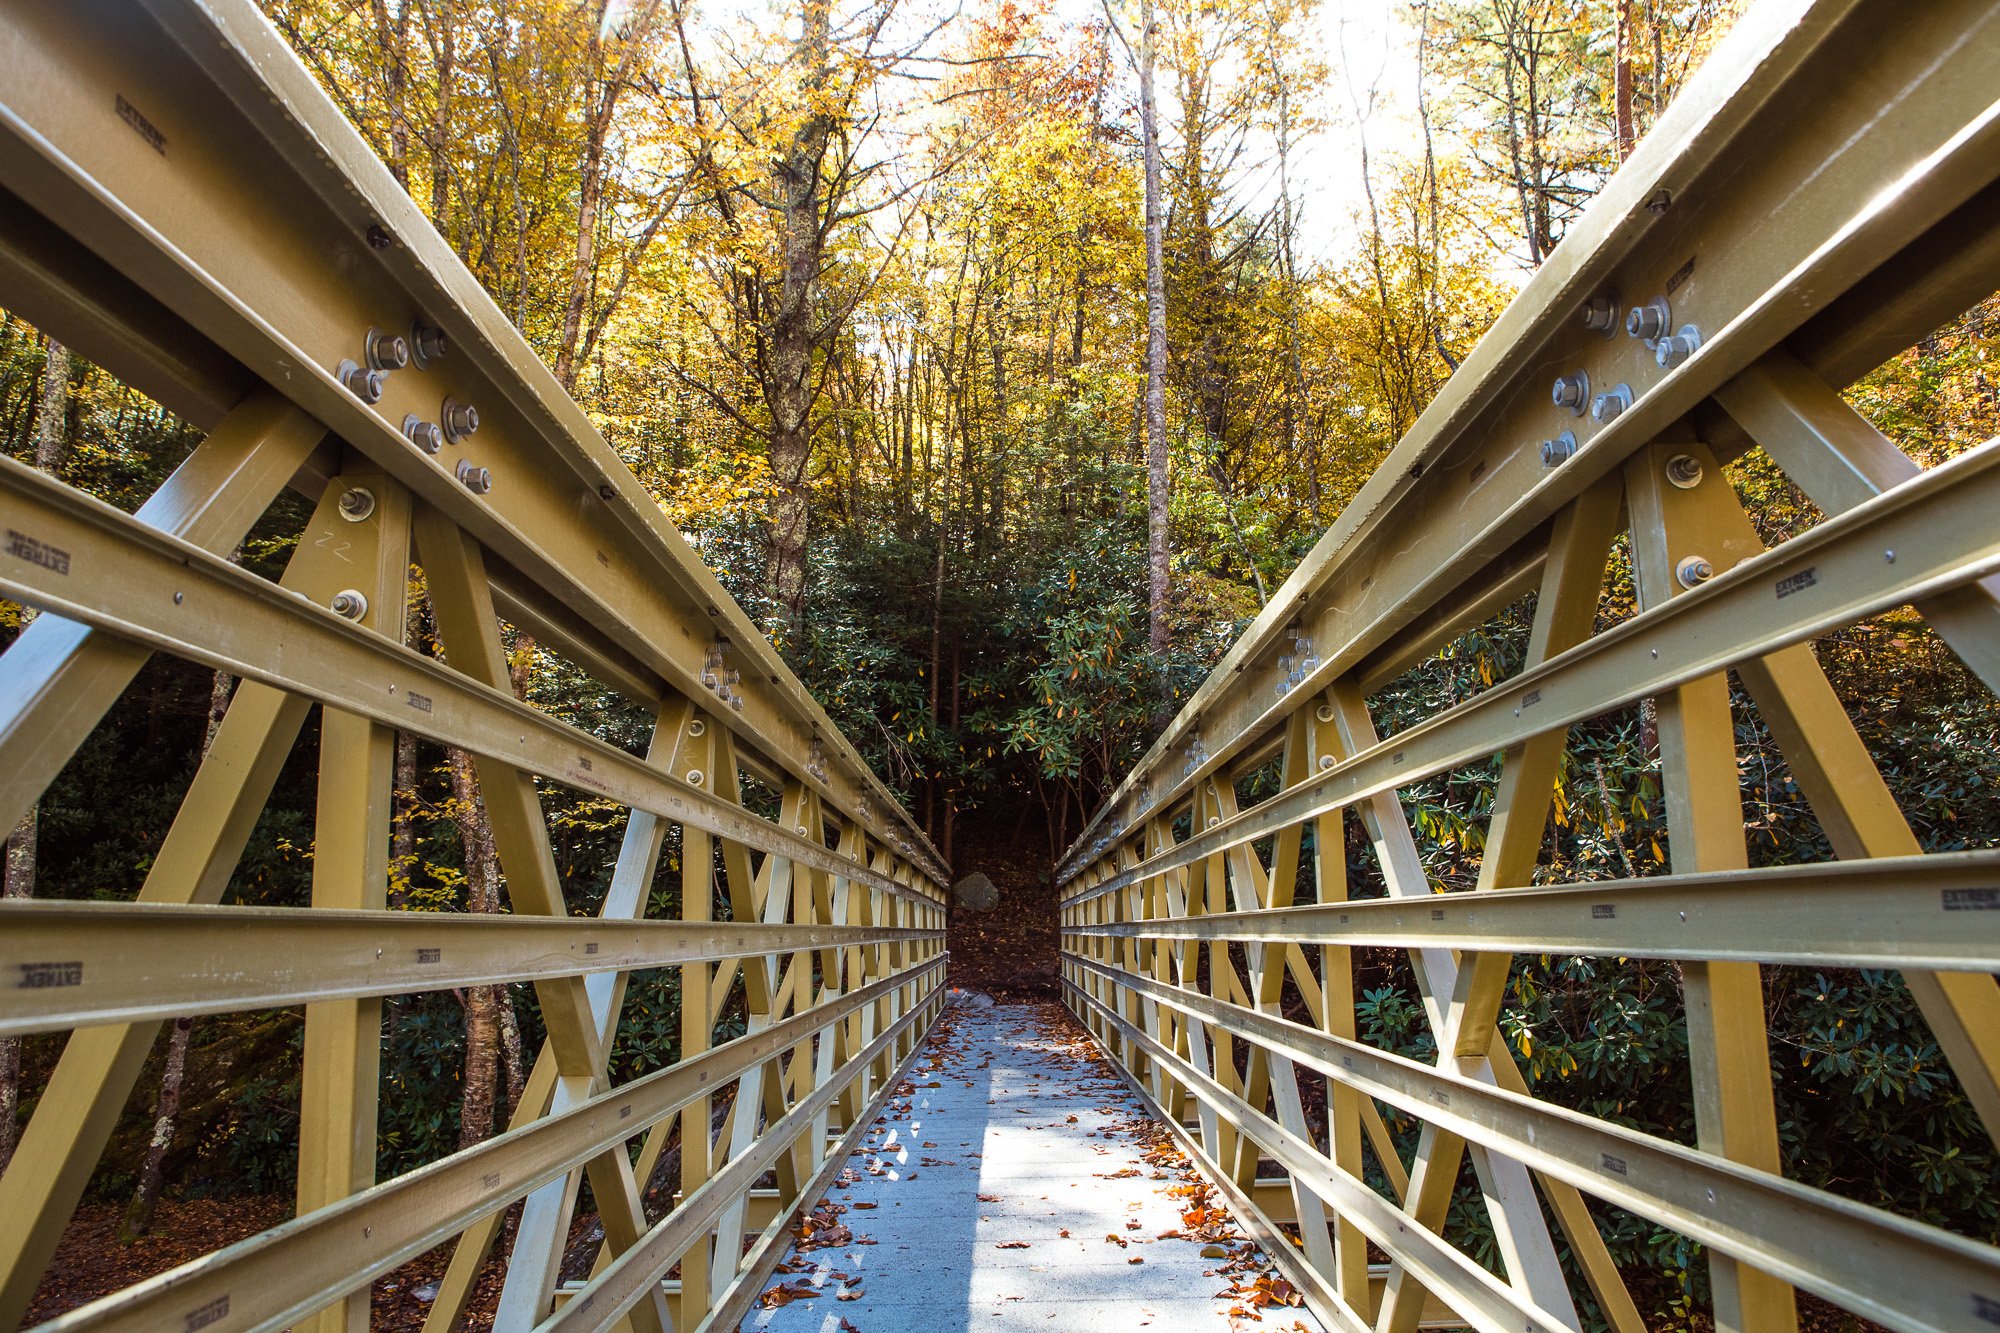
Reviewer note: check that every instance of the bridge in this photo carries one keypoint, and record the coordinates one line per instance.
(183, 204)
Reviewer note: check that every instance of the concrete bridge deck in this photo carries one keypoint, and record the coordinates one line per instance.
(1016, 1184)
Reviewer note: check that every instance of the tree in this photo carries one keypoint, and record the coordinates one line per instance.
(1158, 481)
(51, 436)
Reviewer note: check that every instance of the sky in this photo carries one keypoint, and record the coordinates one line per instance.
(1368, 47)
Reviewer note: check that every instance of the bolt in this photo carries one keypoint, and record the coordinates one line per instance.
(349, 604)
(426, 435)
(426, 344)
(1661, 201)
(1694, 570)
(179, 597)
(1649, 321)
(694, 777)
(1670, 352)
(386, 351)
(1572, 391)
(1609, 406)
(363, 383)
(1684, 471)
(459, 419)
(477, 479)
(1324, 712)
(1889, 556)
(697, 728)
(1326, 761)
(1559, 449)
(1600, 315)
(378, 238)
(356, 503)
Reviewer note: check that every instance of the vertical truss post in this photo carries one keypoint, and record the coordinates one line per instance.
(1735, 1112)
(343, 1038)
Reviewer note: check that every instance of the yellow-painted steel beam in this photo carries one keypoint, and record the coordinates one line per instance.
(1937, 912)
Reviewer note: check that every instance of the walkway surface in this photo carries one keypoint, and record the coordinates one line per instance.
(1016, 1184)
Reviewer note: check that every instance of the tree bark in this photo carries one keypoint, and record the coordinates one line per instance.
(173, 1073)
(482, 1016)
(166, 1116)
(402, 822)
(393, 33)
(1157, 478)
(1622, 82)
(601, 100)
(787, 360)
(18, 878)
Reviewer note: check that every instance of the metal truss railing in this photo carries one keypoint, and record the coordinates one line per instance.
(181, 202)
(1822, 195)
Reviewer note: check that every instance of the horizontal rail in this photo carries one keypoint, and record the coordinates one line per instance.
(142, 585)
(1935, 912)
(1831, 199)
(1900, 1273)
(270, 229)
(1929, 535)
(1486, 1301)
(66, 965)
(624, 1282)
(275, 1277)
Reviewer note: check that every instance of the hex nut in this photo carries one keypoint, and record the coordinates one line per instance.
(1559, 449)
(1671, 352)
(426, 435)
(349, 604)
(476, 479)
(356, 503)
(1684, 471)
(363, 383)
(1608, 407)
(427, 344)
(386, 351)
(458, 419)
(1572, 391)
(1600, 315)
(1693, 570)
(1651, 320)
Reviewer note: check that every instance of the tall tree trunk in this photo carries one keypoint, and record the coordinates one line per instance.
(446, 58)
(393, 34)
(1622, 82)
(18, 878)
(1295, 367)
(1157, 479)
(166, 1115)
(482, 1014)
(173, 1072)
(402, 823)
(601, 103)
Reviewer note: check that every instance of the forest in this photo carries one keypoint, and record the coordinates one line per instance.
(1002, 360)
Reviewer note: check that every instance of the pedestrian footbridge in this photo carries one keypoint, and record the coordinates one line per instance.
(181, 202)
